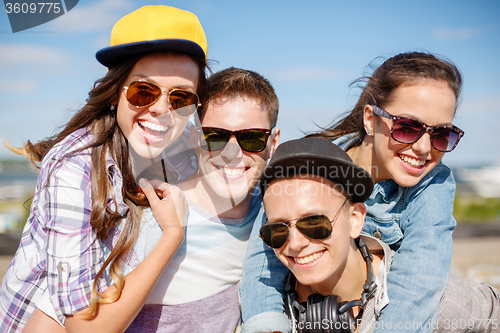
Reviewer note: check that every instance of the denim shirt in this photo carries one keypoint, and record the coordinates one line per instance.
(416, 222)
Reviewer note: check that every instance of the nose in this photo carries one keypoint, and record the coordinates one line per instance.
(162, 105)
(423, 145)
(232, 150)
(296, 241)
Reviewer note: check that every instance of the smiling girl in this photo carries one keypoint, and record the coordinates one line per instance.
(399, 131)
(87, 182)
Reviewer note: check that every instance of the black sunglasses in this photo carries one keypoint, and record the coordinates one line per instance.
(252, 140)
(143, 93)
(317, 227)
(406, 130)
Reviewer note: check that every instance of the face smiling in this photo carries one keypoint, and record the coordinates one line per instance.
(315, 263)
(431, 102)
(149, 130)
(231, 174)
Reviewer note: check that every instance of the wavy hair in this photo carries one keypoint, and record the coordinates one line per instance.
(107, 138)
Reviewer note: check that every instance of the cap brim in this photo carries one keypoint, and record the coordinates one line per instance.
(356, 180)
(112, 55)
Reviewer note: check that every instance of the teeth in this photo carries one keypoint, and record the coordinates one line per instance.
(308, 259)
(412, 161)
(231, 171)
(152, 126)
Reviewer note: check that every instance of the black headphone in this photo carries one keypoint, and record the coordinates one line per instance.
(324, 314)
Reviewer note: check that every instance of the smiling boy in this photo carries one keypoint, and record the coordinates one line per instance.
(313, 198)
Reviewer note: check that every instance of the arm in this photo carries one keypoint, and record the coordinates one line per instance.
(74, 253)
(421, 266)
(141, 280)
(261, 288)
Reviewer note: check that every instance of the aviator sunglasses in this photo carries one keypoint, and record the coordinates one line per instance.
(317, 227)
(252, 140)
(406, 130)
(142, 94)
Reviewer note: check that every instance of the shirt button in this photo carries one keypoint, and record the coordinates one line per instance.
(377, 234)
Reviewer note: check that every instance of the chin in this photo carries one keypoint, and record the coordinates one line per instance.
(309, 279)
(408, 181)
(224, 189)
(405, 178)
(146, 151)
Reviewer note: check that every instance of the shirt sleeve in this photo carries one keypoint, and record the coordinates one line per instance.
(261, 289)
(73, 252)
(421, 266)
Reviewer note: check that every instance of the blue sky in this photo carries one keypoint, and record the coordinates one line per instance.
(310, 51)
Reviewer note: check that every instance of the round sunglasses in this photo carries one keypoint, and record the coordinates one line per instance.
(316, 227)
(406, 130)
(252, 140)
(142, 94)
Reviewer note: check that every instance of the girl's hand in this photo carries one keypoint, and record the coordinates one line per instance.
(167, 202)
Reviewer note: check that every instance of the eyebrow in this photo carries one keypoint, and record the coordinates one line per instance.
(315, 213)
(147, 78)
(404, 115)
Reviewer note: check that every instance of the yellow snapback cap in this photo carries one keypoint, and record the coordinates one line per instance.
(152, 29)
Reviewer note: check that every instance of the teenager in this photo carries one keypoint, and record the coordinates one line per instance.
(313, 198)
(87, 182)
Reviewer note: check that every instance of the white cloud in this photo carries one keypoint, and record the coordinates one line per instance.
(30, 54)
(18, 86)
(456, 34)
(94, 17)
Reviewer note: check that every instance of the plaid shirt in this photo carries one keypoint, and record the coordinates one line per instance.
(59, 255)
(469, 307)
(464, 307)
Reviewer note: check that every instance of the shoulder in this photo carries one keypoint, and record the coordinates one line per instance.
(67, 155)
(68, 148)
(346, 141)
(378, 247)
(381, 297)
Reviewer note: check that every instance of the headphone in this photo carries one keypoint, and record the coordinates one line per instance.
(325, 314)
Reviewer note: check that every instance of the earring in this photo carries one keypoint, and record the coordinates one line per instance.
(369, 133)
(112, 107)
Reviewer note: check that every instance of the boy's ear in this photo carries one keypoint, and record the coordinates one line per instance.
(358, 213)
(275, 141)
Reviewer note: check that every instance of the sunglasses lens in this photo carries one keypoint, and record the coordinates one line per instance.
(250, 140)
(141, 94)
(183, 102)
(407, 130)
(214, 139)
(315, 227)
(253, 140)
(444, 139)
(274, 234)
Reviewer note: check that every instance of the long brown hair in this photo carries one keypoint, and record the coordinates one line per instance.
(404, 68)
(107, 138)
